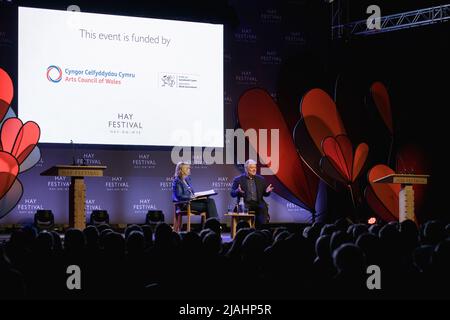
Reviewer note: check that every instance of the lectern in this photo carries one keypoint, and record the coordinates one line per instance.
(406, 195)
(77, 190)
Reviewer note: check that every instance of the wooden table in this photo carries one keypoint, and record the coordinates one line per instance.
(235, 217)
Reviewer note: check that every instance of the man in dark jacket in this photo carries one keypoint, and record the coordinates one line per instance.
(253, 188)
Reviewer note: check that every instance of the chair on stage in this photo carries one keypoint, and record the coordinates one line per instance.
(183, 208)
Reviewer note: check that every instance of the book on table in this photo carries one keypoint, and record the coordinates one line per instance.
(206, 193)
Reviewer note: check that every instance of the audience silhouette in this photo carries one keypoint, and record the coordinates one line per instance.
(318, 261)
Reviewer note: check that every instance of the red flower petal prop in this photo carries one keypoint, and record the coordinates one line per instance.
(8, 135)
(9, 168)
(339, 153)
(19, 139)
(321, 116)
(32, 159)
(359, 159)
(11, 198)
(320, 119)
(383, 197)
(17, 142)
(6, 92)
(257, 110)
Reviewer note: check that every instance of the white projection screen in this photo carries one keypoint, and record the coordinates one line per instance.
(117, 80)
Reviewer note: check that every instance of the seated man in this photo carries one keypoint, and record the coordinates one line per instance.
(182, 191)
(252, 188)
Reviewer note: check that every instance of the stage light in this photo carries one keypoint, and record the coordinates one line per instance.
(372, 220)
(99, 217)
(73, 8)
(154, 216)
(44, 219)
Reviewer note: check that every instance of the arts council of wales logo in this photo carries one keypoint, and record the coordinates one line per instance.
(54, 74)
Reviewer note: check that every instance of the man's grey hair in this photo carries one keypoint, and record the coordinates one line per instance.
(248, 162)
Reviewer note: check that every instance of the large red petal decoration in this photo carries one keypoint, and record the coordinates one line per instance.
(6, 92)
(380, 96)
(347, 151)
(310, 154)
(359, 160)
(334, 153)
(11, 198)
(330, 171)
(9, 168)
(257, 110)
(386, 193)
(10, 130)
(30, 161)
(321, 116)
(377, 206)
(27, 139)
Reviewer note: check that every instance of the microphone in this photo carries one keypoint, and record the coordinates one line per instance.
(73, 153)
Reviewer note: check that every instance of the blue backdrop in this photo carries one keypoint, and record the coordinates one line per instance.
(140, 180)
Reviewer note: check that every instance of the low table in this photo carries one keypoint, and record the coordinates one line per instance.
(235, 217)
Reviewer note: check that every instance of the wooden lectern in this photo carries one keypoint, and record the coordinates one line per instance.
(406, 196)
(77, 190)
